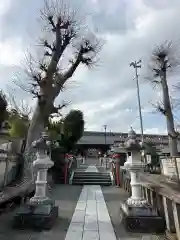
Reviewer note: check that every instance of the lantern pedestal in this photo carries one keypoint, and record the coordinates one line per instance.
(40, 217)
(142, 218)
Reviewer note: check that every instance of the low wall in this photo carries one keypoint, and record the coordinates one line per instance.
(170, 167)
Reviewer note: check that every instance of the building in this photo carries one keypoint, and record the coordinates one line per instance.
(100, 140)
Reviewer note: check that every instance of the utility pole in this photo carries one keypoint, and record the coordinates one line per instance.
(137, 65)
(105, 128)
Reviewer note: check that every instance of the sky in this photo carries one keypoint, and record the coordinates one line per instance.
(107, 95)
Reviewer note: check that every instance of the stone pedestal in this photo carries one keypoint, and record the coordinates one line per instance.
(40, 217)
(40, 213)
(142, 219)
(139, 215)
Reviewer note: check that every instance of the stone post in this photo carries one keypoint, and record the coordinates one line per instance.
(139, 215)
(40, 212)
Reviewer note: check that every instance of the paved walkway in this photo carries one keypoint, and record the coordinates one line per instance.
(98, 215)
(88, 213)
(91, 219)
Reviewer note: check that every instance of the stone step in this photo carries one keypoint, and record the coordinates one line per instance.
(91, 176)
(92, 183)
(91, 173)
(92, 180)
(81, 177)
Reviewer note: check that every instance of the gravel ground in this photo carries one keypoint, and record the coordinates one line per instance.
(66, 198)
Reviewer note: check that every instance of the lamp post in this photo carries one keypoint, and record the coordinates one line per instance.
(105, 128)
(137, 65)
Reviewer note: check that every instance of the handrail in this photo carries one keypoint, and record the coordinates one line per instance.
(162, 197)
(70, 164)
(68, 167)
(113, 164)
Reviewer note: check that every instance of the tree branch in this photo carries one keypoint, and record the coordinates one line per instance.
(64, 32)
(159, 108)
(72, 69)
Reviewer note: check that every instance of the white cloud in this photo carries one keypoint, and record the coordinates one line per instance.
(11, 52)
(107, 94)
(155, 131)
(4, 7)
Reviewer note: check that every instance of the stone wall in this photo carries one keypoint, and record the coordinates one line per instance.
(170, 166)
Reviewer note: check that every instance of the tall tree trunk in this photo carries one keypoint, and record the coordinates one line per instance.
(37, 125)
(169, 116)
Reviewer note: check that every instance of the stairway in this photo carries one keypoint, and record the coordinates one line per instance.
(91, 178)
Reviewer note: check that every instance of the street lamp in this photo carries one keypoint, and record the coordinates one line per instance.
(137, 65)
(105, 128)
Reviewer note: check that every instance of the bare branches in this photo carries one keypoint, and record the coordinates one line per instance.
(162, 51)
(56, 110)
(90, 50)
(164, 57)
(34, 74)
(63, 26)
(22, 107)
(60, 107)
(86, 54)
(159, 107)
(45, 77)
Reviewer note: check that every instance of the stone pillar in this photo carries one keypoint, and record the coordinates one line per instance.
(40, 212)
(138, 213)
(134, 165)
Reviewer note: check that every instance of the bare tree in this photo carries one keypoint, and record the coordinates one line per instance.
(47, 77)
(163, 60)
(20, 106)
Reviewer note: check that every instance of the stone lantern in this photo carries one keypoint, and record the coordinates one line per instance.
(41, 211)
(139, 215)
(134, 165)
(41, 166)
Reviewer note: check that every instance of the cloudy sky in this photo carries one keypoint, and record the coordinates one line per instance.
(130, 29)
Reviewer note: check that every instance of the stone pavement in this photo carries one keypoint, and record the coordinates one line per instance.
(113, 196)
(91, 219)
(95, 216)
(98, 215)
(66, 197)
